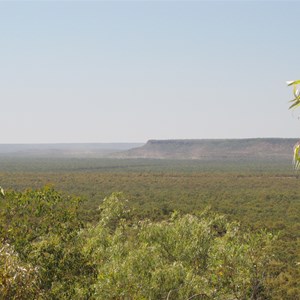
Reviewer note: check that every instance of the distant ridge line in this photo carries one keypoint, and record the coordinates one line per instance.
(268, 148)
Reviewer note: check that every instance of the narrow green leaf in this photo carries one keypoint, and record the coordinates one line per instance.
(289, 83)
(293, 100)
(296, 104)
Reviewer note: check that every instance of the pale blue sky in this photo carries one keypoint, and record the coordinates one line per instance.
(133, 71)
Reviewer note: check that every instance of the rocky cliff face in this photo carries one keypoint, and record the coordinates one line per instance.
(270, 148)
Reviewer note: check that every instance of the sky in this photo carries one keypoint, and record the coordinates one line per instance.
(129, 71)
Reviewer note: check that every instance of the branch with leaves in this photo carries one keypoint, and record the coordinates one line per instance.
(295, 103)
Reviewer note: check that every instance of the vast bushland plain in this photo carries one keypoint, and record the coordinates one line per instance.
(259, 194)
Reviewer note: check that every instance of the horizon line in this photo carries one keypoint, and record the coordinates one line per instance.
(162, 139)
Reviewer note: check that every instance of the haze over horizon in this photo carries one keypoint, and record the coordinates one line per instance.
(89, 72)
(140, 143)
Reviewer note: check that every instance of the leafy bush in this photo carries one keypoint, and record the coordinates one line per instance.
(47, 253)
(18, 280)
(180, 258)
(42, 226)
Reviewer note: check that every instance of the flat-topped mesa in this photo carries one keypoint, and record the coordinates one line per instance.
(268, 148)
(173, 142)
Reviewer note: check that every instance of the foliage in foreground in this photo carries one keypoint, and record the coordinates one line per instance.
(47, 253)
(295, 103)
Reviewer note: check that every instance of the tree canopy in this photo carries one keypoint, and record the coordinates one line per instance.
(47, 253)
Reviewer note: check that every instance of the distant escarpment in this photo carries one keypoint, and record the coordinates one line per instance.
(206, 149)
